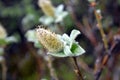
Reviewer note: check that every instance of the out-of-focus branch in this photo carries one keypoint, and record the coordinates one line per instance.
(87, 32)
(113, 50)
(48, 59)
(100, 62)
(34, 54)
(84, 66)
(4, 68)
(50, 67)
(98, 18)
(104, 61)
(77, 70)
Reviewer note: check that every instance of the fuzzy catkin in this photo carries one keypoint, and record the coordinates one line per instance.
(47, 7)
(3, 32)
(49, 40)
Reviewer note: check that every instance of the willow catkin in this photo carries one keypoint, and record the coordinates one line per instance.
(49, 40)
(47, 7)
(3, 32)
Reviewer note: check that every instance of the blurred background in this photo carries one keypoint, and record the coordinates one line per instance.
(23, 58)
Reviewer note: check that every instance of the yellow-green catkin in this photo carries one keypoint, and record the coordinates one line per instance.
(47, 7)
(49, 40)
(3, 32)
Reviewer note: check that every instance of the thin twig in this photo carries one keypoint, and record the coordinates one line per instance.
(105, 58)
(52, 70)
(105, 42)
(37, 58)
(77, 70)
(97, 15)
(99, 71)
(4, 68)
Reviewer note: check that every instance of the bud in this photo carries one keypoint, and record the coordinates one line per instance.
(47, 7)
(49, 40)
(98, 11)
(3, 33)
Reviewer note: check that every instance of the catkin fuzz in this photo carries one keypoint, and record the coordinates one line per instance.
(47, 7)
(3, 32)
(49, 40)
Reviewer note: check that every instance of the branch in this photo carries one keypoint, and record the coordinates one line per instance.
(77, 70)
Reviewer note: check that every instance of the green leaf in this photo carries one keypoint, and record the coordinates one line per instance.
(59, 8)
(60, 14)
(46, 20)
(64, 13)
(66, 38)
(31, 37)
(7, 40)
(3, 42)
(11, 39)
(76, 49)
(59, 54)
(74, 34)
(67, 51)
(37, 44)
